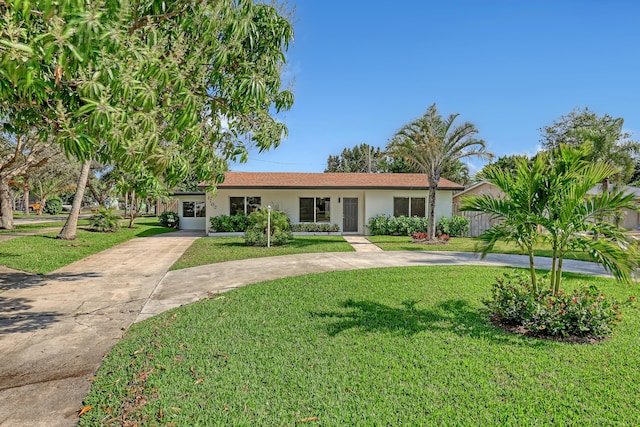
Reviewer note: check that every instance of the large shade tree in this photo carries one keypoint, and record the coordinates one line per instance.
(433, 143)
(548, 198)
(178, 85)
(603, 137)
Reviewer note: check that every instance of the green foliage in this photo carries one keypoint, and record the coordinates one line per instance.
(169, 219)
(585, 312)
(106, 220)
(175, 89)
(53, 206)
(280, 228)
(507, 163)
(231, 223)
(361, 158)
(397, 226)
(602, 135)
(315, 227)
(456, 226)
(254, 237)
(551, 193)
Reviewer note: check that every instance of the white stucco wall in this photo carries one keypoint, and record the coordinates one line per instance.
(287, 201)
(370, 202)
(381, 201)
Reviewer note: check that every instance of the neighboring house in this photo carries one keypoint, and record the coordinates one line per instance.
(630, 218)
(479, 222)
(346, 199)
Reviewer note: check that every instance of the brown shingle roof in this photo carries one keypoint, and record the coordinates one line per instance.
(272, 180)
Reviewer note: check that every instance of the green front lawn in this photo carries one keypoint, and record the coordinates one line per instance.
(218, 249)
(25, 228)
(462, 244)
(43, 253)
(401, 346)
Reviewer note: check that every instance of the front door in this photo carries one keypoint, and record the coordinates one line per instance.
(350, 214)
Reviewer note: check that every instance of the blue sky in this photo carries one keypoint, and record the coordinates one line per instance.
(364, 69)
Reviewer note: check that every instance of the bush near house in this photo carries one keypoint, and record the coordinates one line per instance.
(278, 226)
(230, 224)
(169, 219)
(397, 226)
(456, 226)
(315, 227)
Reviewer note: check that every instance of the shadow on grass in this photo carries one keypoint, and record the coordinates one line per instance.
(454, 316)
(154, 230)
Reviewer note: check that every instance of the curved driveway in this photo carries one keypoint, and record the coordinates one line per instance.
(55, 330)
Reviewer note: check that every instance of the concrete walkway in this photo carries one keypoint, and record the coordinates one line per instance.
(54, 331)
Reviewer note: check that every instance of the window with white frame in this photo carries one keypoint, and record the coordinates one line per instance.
(315, 209)
(243, 205)
(409, 206)
(193, 209)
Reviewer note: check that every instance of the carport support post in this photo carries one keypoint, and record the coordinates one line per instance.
(269, 226)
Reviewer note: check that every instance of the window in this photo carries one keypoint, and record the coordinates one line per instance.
(244, 205)
(409, 206)
(193, 209)
(315, 209)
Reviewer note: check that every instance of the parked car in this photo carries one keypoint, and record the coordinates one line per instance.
(34, 206)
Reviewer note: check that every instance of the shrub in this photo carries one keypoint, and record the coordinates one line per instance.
(585, 312)
(230, 224)
(105, 220)
(315, 227)
(398, 226)
(169, 219)
(53, 206)
(280, 228)
(456, 226)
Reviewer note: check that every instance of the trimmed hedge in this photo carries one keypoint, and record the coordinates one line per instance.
(231, 224)
(397, 226)
(315, 227)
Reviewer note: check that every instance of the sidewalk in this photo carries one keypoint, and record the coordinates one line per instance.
(54, 332)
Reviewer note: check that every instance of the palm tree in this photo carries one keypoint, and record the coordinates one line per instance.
(431, 144)
(549, 198)
(518, 213)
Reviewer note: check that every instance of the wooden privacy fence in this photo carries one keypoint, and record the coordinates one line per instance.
(478, 222)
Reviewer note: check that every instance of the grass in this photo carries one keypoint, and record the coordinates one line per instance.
(463, 244)
(25, 228)
(219, 249)
(43, 253)
(401, 346)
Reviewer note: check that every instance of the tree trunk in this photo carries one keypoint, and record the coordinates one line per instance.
(96, 195)
(25, 195)
(432, 209)
(133, 211)
(6, 213)
(69, 230)
(43, 203)
(532, 270)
